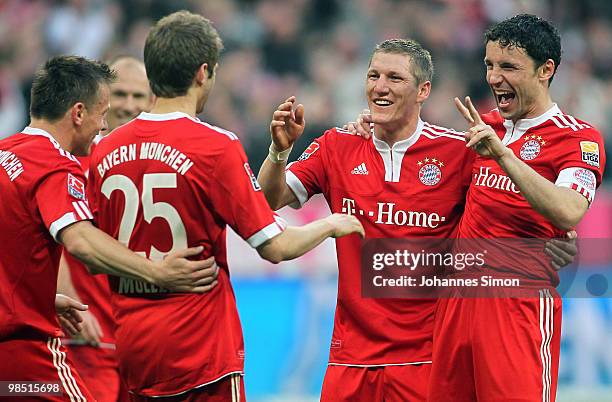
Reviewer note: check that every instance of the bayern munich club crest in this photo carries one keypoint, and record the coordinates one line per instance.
(430, 172)
(532, 147)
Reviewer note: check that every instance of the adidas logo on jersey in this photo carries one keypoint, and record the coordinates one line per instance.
(361, 169)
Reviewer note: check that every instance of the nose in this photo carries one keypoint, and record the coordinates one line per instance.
(131, 105)
(494, 77)
(381, 85)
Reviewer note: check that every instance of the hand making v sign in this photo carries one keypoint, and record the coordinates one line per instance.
(480, 136)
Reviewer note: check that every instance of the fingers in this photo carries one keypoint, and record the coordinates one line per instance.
(465, 112)
(472, 110)
(64, 303)
(351, 127)
(211, 262)
(205, 276)
(566, 246)
(187, 252)
(201, 266)
(561, 252)
(571, 235)
(555, 261)
(364, 127)
(203, 289)
(88, 332)
(475, 137)
(73, 304)
(69, 327)
(281, 114)
(299, 114)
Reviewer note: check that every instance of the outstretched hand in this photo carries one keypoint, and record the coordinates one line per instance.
(287, 124)
(480, 136)
(344, 224)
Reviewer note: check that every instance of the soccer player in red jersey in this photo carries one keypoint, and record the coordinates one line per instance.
(93, 349)
(166, 180)
(410, 180)
(535, 176)
(44, 206)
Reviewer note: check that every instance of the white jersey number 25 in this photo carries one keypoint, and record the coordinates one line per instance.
(150, 209)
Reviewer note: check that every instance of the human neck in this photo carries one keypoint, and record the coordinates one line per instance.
(186, 104)
(60, 130)
(393, 134)
(540, 106)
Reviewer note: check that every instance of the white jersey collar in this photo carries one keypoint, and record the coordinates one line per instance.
(37, 131)
(516, 131)
(394, 155)
(163, 116)
(403, 145)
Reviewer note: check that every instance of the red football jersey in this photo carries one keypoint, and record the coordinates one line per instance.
(566, 151)
(416, 188)
(43, 191)
(164, 182)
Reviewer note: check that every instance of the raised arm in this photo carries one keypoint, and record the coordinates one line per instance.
(562, 206)
(286, 127)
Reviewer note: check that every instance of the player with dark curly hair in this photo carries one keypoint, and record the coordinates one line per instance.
(506, 348)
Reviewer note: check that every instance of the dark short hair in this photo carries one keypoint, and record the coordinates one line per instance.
(65, 80)
(536, 36)
(175, 48)
(422, 66)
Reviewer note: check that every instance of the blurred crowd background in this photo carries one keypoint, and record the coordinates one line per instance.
(315, 49)
(318, 50)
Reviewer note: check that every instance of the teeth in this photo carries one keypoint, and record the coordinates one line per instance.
(382, 102)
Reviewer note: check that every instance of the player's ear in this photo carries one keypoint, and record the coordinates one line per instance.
(77, 113)
(202, 74)
(546, 70)
(424, 89)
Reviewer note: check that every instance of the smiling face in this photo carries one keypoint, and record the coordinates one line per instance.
(519, 86)
(93, 121)
(394, 97)
(130, 93)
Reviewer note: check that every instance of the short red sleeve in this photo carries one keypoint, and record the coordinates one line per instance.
(306, 176)
(237, 197)
(61, 198)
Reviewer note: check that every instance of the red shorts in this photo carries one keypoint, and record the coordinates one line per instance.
(45, 361)
(228, 389)
(99, 370)
(496, 349)
(376, 384)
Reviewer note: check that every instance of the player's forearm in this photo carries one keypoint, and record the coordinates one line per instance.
(272, 180)
(561, 206)
(64, 280)
(296, 241)
(102, 253)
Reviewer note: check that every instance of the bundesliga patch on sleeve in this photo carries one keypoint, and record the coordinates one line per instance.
(590, 153)
(312, 148)
(76, 187)
(252, 177)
